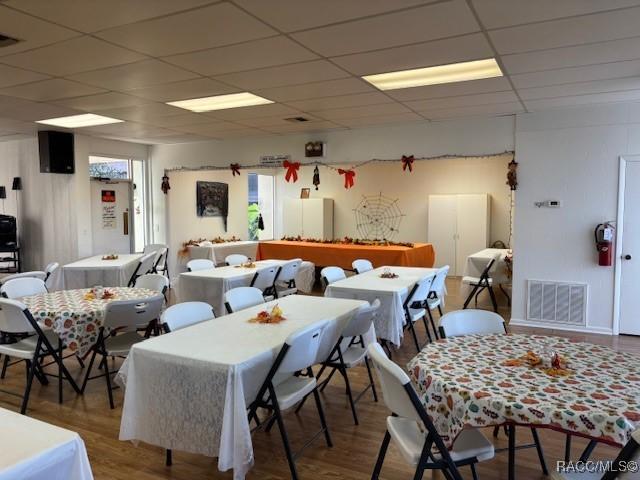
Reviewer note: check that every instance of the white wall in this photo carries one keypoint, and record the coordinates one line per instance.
(8, 170)
(570, 155)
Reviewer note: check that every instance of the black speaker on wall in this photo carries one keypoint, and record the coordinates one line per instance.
(56, 152)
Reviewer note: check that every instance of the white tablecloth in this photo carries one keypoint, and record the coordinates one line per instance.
(34, 450)
(219, 251)
(211, 285)
(392, 293)
(477, 262)
(93, 271)
(189, 390)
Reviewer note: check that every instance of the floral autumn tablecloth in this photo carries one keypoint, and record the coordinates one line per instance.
(462, 382)
(75, 319)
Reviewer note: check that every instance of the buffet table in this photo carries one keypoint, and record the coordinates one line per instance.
(342, 255)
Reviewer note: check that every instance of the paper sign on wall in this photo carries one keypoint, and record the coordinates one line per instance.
(109, 217)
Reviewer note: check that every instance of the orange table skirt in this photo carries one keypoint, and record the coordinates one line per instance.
(326, 254)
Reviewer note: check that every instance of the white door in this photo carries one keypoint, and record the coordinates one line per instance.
(110, 217)
(630, 252)
(472, 229)
(441, 231)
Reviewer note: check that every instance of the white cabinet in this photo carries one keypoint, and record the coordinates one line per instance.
(458, 226)
(308, 217)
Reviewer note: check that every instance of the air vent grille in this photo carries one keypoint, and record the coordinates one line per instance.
(557, 302)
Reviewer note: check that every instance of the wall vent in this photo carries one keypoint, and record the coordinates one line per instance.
(6, 41)
(557, 302)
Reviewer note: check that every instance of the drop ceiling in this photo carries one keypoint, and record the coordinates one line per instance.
(124, 59)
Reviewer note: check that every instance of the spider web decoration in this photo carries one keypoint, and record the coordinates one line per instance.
(378, 217)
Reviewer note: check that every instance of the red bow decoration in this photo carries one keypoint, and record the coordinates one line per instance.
(235, 168)
(407, 162)
(348, 177)
(292, 170)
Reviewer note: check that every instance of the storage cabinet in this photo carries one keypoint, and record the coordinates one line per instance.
(308, 217)
(458, 226)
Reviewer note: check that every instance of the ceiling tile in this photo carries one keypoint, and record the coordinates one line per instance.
(210, 129)
(317, 89)
(291, 15)
(130, 128)
(297, 73)
(326, 103)
(8, 125)
(593, 28)
(178, 120)
(486, 85)
(258, 111)
(503, 13)
(614, 51)
(14, 76)
(197, 88)
(304, 127)
(93, 15)
(577, 74)
(102, 101)
(28, 111)
(462, 101)
(475, 110)
(363, 111)
(246, 56)
(411, 26)
(72, 56)
(142, 113)
(277, 120)
(439, 52)
(134, 75)
(53, 89)
(581, 88)
(544, 103)
(32, 31)
(247, 132)
(207, 27)
(383, 119)
(179, 138)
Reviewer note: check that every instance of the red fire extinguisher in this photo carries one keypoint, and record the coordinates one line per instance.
(604, 243)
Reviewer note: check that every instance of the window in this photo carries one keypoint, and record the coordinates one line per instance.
(261, 189)
(113, 168)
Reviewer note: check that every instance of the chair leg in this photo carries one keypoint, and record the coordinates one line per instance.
(471, 295)
(415, 337)
(86, 377)
(107, 376)
(381, 454)
(5, 364)
(343, 372)
(168, 460)
(283, 434)
(373, 385)
(433, 324)
(30, 373)
(493, 298)
(387, 348)
(536, 440)
(60, 348)
(496, 431)
(426, 329)
(588, 451)
(512, 452)
(326, 382)
(567, 448)
(474, 473)
(323, 421)
(440, 310)
(80, 362)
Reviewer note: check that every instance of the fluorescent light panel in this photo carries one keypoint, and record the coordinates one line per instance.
(221, 102)
(79, 121)
(454, 72)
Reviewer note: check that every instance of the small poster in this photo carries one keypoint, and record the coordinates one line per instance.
(108, 196)
(109, 217)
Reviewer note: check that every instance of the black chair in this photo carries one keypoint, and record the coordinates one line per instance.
(479, 284)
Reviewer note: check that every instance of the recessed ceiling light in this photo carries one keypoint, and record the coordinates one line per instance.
(79, 121)
(221, 102)
(454, 72)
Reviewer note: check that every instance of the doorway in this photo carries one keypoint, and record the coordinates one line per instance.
(261, 198)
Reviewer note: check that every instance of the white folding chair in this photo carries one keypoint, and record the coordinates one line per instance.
(436, 295)
(15, 319)
(153, 281)
(124, 317)
(23, 287)
(160, 263)
(283, 387)
(479, 284)
(413, 432)
(286, 279)
(415, 308)
(49, 270)
(332, 274)
(182, 315)
(265, 280)
(145, 265)
(240, 298)
(33, 274)
(236, 259)
(361, 265)
(198, 264)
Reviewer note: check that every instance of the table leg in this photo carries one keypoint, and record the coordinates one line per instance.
(512, 451)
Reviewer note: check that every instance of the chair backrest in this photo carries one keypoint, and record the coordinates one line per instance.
(161, 258)
(265, 278)
(200, 264)
(240, 298)
(487, 269)
(236, 259)
(302, 348)
(332, 274)
(13, 318)
(49, 269)
(438, 284)
(471, 322)
(419, 292)
(132, 314)
(362, 320)
(23, 287)
(185, 314)
(153, 247)
(361, 265)
(147, 262)
(33, 274)
(153, 281)
(289, 270)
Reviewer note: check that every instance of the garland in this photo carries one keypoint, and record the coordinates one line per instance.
(350, 241)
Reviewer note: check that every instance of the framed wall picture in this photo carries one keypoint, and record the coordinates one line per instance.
(305, 192)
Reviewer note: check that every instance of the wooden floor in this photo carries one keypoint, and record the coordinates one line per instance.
(352, 457)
